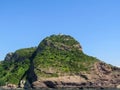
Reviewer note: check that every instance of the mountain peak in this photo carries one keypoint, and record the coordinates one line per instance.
(58, 61)
(61, 42)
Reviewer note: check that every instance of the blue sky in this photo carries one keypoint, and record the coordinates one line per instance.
(94, 23)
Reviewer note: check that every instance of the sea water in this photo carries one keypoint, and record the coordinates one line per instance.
(65, 89)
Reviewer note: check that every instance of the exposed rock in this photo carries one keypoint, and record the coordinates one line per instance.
(78, 46)
(22, 83)
(9, 56)
(38, 84)
(101, 77)
(118, 86)
(13, 86)
(10, 87)
(58, 61)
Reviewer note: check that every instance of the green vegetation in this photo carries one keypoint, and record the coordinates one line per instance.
(56, 55)
(23, 54)
(27, 52)
(65, 39)
(12, 71)
(56, 59)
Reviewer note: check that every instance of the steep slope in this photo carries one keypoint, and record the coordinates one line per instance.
(15, 65)
(61, 55)
(58, 61)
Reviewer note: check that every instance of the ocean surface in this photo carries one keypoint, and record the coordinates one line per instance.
(64, 89)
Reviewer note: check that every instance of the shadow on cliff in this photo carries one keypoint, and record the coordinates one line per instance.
(29, 74)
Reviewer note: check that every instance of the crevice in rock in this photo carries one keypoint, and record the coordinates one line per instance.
(50, 84)
(31, 76)
(30, 73)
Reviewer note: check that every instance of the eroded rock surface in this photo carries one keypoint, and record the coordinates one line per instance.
(103, 76)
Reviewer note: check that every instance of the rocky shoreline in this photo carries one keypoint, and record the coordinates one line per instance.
(57, 62)
(102, 76)
(54, 84)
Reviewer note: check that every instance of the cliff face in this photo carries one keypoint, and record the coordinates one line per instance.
(15, 65)
(101, 75)
(58, 61)
(60, 55)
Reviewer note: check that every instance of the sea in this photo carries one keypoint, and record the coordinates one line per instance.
(66, 89)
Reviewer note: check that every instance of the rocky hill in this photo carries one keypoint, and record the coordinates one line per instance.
(58, 61)
(15, 65)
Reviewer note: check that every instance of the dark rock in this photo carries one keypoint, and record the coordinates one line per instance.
(50, 84)
(9, 56)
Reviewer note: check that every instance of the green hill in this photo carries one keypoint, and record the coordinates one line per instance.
(15, 65)
(61, 54)
(57, 56)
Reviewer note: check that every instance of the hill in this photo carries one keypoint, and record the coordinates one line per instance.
(61, 54)
(15, 65)
(58, 61)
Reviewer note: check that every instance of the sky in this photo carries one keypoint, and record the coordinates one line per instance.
(94, 23)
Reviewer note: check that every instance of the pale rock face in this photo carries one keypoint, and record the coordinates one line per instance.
(22, 83)
(118, 86)
(9, 56)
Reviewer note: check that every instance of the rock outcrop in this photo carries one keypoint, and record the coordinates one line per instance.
(9, 56)
(57, 62)
(103, 76)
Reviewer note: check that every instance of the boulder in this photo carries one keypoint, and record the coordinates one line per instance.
(39, 84)
(118, 86)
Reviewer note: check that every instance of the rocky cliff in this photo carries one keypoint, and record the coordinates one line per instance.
(58, 61)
